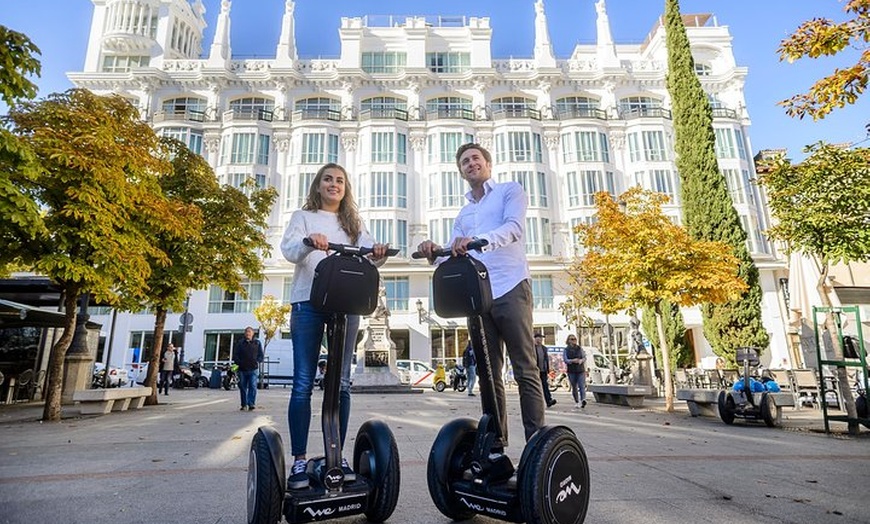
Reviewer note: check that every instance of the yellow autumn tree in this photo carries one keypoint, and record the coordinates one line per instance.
(638, 257)
(271, 315)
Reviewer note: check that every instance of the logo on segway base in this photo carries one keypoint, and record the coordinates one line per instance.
(333, 478)
(479, 508)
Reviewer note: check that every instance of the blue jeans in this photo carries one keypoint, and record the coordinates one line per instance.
(471, 371)
(578, 386)
(306, 331)
(248, 387)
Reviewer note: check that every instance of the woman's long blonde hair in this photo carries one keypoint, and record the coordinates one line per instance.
(348, 216)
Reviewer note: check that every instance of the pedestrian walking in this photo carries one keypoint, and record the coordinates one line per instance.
(544, 368)
(247, 355)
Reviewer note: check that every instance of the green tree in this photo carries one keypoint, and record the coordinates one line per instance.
(675, 333)
(822, 207)
(98, 193)
(822, 37)
(640, 258)
(271, 315)
(224, 240)
(707, 207)
(19, 212)
(17, 62)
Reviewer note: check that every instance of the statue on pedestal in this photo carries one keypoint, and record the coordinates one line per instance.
(376, 352)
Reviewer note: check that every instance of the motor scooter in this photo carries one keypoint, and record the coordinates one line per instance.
(458, 378)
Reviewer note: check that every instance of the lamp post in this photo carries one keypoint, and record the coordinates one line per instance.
(424, 315)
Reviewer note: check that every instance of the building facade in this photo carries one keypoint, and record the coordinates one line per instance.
(392, 109)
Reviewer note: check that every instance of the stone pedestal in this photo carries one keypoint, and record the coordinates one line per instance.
(376, 356)
(78, 372)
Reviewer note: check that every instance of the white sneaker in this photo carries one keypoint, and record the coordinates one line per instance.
(576, 405)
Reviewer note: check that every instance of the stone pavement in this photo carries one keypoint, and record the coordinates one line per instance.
(185, 461)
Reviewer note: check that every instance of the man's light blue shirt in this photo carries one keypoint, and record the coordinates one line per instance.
(499, 217)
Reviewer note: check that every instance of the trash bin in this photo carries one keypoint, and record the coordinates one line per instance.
(214, 382)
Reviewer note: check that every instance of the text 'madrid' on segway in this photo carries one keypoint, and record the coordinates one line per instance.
(465, 474)
(345, 282)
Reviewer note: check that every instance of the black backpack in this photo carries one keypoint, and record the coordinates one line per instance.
(345, 283)
(461, 288)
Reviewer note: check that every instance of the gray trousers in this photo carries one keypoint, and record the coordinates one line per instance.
(510, 323)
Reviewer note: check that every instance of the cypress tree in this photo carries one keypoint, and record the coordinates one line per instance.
(708, 211)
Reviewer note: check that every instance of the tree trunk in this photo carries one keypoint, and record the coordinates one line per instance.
(54, 390)
(844, 391)
(666, 360)
(156, 351)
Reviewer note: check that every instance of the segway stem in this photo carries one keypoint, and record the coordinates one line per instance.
(330, 422)
(481, 353)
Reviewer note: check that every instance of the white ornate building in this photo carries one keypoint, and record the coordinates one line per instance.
(404, 94)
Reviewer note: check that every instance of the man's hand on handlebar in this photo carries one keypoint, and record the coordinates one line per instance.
(428, 248)
(460, 246)
(379, 251)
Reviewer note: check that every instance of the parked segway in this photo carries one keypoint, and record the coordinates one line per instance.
(747, 404)
(551, 483)
(344, 283)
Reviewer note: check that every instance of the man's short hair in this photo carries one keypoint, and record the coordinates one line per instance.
(539, 335)
(471, 145)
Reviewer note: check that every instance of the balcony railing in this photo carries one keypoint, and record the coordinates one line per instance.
(446, 113)
(724, 112)
(384, 113)
(333, 115)
(568, 113)
(188, 115)
(516, 112)
(645, 112)
(244, 115)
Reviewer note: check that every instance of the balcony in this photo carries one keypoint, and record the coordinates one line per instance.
(516, 112)
(248, 115)
(645, 112)
(384, 113)
(450, 113)
(311, 113)
(571, 113)
(188, 115)
(723, 112)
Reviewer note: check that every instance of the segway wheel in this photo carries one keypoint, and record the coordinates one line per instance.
(768, 410)
(726, 407)
(553, 481)
(376, 457)
(265, 493)
(440, 386)
(449, 457)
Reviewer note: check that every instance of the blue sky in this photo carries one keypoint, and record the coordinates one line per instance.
(61, 27)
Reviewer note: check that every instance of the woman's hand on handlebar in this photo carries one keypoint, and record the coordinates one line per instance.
(319, 241)
(379, 251)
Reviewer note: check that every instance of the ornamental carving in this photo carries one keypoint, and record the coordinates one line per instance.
(349, 141)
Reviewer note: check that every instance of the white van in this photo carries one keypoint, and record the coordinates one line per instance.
(598, 367)
(418, 374)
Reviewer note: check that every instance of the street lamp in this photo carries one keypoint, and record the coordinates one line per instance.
(420, 311)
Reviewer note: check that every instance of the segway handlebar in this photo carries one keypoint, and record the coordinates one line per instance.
(475, 245)
(353, 250)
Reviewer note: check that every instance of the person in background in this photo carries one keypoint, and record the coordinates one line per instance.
(544, 367)
(247, 355)
(167, 368)
(496, 212)
(575, 360)
(328, 215)
(470, 364)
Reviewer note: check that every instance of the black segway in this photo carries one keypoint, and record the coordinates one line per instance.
(551, 483)
(375, 488)
(747, 404)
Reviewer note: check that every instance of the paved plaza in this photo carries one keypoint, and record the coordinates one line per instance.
(185, 461)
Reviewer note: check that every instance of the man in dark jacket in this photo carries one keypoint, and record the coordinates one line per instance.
(247, 355)
(544, 367)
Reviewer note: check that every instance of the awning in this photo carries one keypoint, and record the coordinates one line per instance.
(16, 314)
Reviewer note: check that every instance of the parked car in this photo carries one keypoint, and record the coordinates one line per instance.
(419, 374)
(116, 377)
